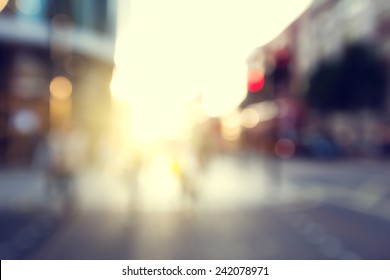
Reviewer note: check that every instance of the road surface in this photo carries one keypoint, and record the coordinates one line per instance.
(245, 208)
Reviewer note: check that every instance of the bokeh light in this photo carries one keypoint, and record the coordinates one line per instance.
(29, 7)
(231, 128)
(3, 3)
(255, 80)
(59, 22)
(284, 148)
(60, 88)
(25, 121)
(249, 118)
(266, 110)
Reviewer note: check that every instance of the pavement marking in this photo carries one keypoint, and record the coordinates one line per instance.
(361, 200)
(329, 245)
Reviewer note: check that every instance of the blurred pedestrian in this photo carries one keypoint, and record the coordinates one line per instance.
(185, 166)
(66, 150)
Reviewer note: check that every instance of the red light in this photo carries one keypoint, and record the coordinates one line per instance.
(284, 148)
(255, 80)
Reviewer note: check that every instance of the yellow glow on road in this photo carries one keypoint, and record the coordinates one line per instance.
(168, 52)
(160, 187)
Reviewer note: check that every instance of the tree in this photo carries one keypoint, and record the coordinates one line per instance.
(355, 81)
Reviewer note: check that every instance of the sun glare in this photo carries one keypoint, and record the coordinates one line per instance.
(169, 52)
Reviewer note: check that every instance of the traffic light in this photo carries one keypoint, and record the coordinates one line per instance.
(281, 72)
(255, 80)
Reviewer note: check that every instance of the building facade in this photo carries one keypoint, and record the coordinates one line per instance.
(329, 24)
(56, 61)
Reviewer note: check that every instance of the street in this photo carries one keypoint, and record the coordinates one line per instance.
(314, 210)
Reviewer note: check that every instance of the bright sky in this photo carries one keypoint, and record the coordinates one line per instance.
(170, 51)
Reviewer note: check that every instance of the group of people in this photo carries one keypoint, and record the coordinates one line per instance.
(63, 154)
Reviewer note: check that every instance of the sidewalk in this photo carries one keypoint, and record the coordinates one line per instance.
(27, 215)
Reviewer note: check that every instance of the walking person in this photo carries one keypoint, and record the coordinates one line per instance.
(66, 154)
